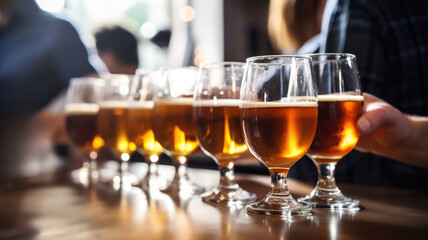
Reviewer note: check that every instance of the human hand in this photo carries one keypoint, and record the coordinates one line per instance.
(387, 132)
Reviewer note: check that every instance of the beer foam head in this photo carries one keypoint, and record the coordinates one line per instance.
(141, 105)
(175, 101)
(81, 108)
(218, 103)
(340, 97)
(114, 104)
(248, 104)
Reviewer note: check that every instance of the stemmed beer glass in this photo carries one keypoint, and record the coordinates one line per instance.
(279, 116)
(340, 104)
(173, 124)
(218, 125)
(81, 109)
(140, 129)
(112, 124)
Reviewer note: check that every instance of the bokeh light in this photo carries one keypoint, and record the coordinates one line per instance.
(52, 6)
(187, 13)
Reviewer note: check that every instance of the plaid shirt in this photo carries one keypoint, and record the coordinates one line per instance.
(390, 40)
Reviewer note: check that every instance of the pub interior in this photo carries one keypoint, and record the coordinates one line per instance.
(213, 119)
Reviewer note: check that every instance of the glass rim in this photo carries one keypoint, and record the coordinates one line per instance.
(272, 57)
(142, 71)
(163, 69)
(217, 64)
(316, 57)
(87, 80)
(112, 76)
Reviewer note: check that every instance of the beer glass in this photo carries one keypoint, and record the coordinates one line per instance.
(340, 103)
(279, 118)
(81, 109)
(218, 126)
(140, 129)
(173, 124)
(112, 124)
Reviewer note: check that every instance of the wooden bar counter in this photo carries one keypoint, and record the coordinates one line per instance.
(71, 211)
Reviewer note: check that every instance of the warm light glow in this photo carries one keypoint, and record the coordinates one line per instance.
(97, 142)
(150, 143)
(179, 139)
(201, 54)
(187, 13)
(230, 147)
(52, 6)
(350, 138)
(229, 144)
(132, 146)
(148, 30)
(122, 144)
(293, 148)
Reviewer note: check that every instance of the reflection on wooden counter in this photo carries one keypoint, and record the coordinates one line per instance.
(70, 211)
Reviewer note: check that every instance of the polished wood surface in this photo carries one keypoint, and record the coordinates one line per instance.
(71, 211)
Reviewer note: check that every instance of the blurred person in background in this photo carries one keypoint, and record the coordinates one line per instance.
(390, 41)
(118, 49)
(39, 54)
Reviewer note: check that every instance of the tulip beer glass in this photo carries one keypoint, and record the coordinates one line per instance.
(279, 116)
(218, 125)
(340, 104)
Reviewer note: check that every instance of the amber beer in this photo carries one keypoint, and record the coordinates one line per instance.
(336, 134)
(173, 125)
(279, 133)
(140, 130)
(218, 125)
(111, 121)
(81, 123)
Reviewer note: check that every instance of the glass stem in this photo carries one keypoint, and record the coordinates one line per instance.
(279, 183)
(326, 180)
(93, 160)
(123, 167)
(227, 175)
(153, 169)
(181, 171)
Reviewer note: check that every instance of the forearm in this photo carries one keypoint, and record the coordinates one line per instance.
(415, 150)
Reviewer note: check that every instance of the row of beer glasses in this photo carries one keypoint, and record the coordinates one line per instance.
(290, 108)
(272, 102)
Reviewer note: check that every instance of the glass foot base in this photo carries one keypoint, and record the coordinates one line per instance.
(126, 178)
(280, 206)
(331, 200)
(236, 195)
(152, 183)
(84, 176)
(184, 187)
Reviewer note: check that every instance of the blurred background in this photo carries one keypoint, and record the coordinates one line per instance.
(174, 33)
(39, 54)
